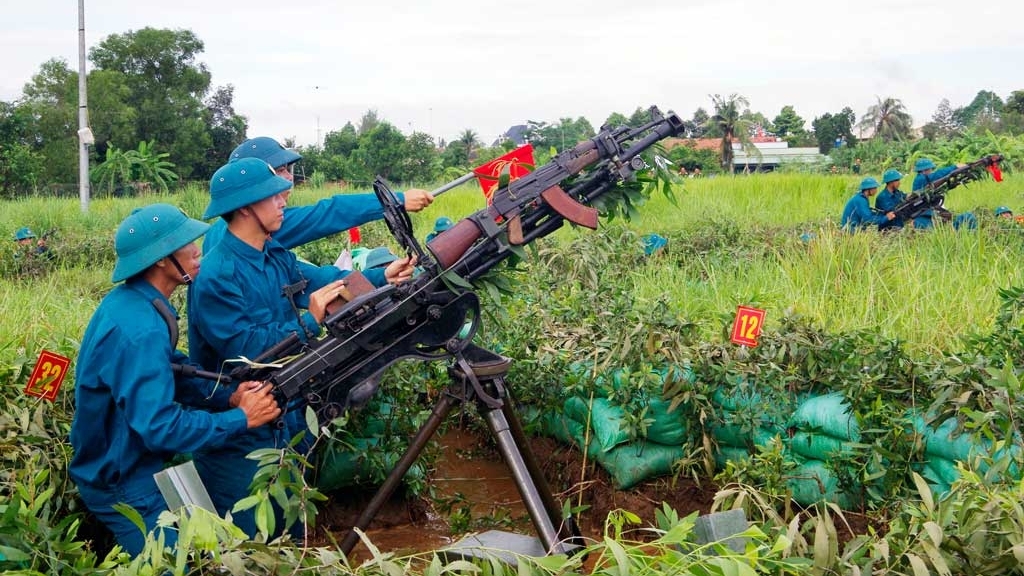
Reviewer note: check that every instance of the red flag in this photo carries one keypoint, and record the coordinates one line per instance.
(516, 163)
(353, 235)
(997, 174)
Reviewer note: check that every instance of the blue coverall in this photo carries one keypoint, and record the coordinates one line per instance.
(924, 221)
(129, 419)
(885, 202)
(857, 214)
(236, 308)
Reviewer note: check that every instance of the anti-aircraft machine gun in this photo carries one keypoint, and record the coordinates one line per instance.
(934, 193)
(434, 316)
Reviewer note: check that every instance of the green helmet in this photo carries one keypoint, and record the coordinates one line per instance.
(149, 234)
(868, 183)
(266, 149)
(891, 175)
(378, 258)
(1003, 210)
(923, 164)
(240, 183)
(24, 233)
(441, 224)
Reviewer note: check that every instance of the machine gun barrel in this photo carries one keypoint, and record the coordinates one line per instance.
(934, 192)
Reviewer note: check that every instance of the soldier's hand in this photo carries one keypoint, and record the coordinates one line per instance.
(890, 215)
(400, 270)
(242, 388)
(258, 403)
(417, 199)
(319, 300)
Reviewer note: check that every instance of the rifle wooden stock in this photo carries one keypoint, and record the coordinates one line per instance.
(450, 245)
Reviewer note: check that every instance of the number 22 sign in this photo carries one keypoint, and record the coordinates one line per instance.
(47, 375)
(747, 326)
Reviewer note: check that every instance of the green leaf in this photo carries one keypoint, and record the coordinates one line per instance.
(133, 516)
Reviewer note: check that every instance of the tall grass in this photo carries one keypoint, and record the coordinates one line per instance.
(734, 240)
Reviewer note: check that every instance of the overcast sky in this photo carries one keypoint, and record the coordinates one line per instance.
(305, 67)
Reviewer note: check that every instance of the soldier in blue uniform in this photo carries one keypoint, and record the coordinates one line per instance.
(857, 214)
(239, 308)
(329, 216)
(129, 418)
(926, 173)
(440, 225)
(889, 198)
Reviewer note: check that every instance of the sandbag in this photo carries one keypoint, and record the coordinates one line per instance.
(607, 422)
(818, 446)
(726, 454)
(735, 436)
(813, 482)
(341, 464)
(738, 395)
(945, 441)
(829, 414)
(939, 470)
(631, 464)
(604, 420)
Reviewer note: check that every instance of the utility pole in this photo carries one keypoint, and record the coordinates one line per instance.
(85, 137)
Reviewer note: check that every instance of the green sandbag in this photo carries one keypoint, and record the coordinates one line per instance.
(606, 421)
(940, 470)
(603, 417)
(341, 464)
(947, 442)
(557, 426)
(726, 454)
(739, 395)
(813, 482)
(733, 435)
(818, 446)
(829, 414)
(631, 464)
(668, 428)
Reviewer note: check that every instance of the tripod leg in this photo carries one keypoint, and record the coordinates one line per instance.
(437, 415)
(528, 489)
(568, 529)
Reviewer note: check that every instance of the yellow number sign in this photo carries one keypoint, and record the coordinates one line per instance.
(747, 326)
(47, 376)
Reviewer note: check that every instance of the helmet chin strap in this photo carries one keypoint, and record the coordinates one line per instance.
(260, 222)
(185, 276)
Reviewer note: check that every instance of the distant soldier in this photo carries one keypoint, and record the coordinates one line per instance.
(440, 225)
(857, 214)
(25, 238)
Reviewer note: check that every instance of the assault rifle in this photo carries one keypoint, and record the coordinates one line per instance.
(934, 193)
(435, 315)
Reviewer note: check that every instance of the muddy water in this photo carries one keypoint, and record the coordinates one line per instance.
(482, 482)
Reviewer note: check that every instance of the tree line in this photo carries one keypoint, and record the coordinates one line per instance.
(157, 119)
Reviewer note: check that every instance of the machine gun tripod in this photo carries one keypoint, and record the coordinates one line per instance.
(478, 376)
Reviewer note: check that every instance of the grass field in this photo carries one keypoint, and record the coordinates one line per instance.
(733, 240)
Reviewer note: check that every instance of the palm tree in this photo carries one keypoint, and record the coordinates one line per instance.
(470, 139)
(728, 121)
(888, 119)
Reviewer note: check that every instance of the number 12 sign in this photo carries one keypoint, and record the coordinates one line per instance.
(747, 326)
